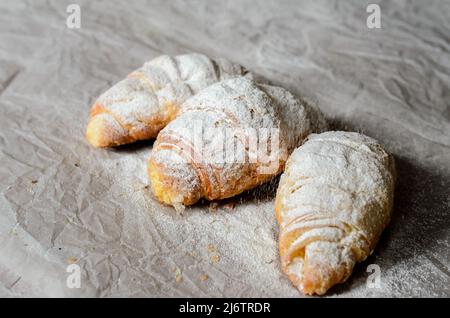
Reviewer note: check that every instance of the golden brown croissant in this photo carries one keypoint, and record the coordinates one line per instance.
(228, 138)
(139, 106)
(334, 200)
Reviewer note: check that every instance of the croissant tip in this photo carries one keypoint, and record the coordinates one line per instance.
(94, 137)
(309, 281)
(96, 133)
(313, 287)
(104, 131)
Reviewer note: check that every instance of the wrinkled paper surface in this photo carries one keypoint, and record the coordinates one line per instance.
(64, 202)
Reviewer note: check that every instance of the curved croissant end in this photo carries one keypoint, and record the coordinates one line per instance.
(320, 257)
(229, 138)
(164, 171)
(104, 130)
(334, 200)
(143, 103)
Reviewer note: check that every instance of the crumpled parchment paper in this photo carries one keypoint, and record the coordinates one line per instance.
(63, 202)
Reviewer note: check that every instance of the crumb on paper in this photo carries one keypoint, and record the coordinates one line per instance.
(179, 208)
(204, 277)
(211, 248)
(34, 181)
(212, 208)
(72, 260)
(178, 275)
(229, 206)
(138, 186)
(70, 219)
(215, 258)
(76, 164)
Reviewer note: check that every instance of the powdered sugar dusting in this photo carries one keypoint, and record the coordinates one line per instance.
(236, 104)
(337, 188)
(140, 102)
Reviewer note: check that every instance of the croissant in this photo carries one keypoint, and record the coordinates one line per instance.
(228, 138)
(139, 106)
(334, 199)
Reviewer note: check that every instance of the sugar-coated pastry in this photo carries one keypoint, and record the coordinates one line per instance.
(334, 199)
(230, 137)
(140, 105)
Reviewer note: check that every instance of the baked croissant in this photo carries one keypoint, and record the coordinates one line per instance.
(139, 106)
(228, 138)
(334, 199)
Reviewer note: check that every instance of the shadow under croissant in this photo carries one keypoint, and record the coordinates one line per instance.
(135, 146)
(263, 193)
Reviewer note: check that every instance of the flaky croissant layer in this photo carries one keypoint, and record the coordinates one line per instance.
(228, 138)
(334, 200)
(143, 103)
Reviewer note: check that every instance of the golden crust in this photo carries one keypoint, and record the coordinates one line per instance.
(334, 200)
(108, 131)
(193, 147)
(168, 190)
(139, 106)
